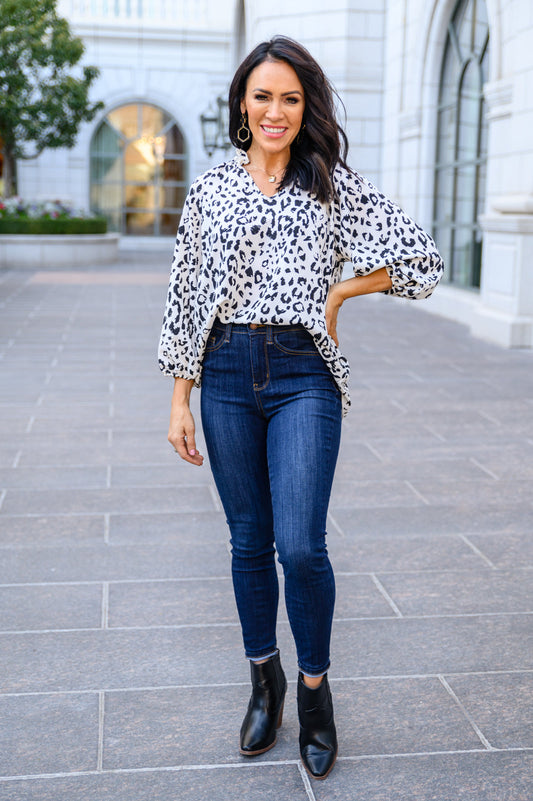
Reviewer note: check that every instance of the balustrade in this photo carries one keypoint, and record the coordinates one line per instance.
(206, 14)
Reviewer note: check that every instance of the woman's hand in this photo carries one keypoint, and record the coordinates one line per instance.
(182, 429)
(333, 304)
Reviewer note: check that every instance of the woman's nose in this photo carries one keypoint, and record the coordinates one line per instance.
(274, 110)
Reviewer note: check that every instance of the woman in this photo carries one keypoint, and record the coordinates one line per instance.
(252, 308)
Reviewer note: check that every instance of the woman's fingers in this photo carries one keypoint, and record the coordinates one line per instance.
(182, 436)
(193, 455)
(333, 304)
(331, 324)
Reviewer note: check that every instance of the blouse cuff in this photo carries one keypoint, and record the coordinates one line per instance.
(409, 282)
(174, 371)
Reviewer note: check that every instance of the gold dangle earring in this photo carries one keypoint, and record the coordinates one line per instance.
(244, 127)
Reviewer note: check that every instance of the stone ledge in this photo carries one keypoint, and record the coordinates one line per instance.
(36, 251)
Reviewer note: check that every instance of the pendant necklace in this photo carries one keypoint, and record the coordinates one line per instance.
(272, 177)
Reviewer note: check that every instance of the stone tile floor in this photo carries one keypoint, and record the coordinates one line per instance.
(121, 669)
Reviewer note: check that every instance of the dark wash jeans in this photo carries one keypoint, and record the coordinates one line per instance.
(271, 415)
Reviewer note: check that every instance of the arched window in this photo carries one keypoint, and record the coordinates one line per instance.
(461, 160)
(138, 170)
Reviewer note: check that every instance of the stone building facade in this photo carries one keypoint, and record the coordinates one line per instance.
(439, 114)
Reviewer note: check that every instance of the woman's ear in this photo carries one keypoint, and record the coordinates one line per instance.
(243, 106)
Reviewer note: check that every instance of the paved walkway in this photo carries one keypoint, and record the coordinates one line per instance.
(121, 669)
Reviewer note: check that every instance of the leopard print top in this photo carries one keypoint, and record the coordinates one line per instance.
(247, 258)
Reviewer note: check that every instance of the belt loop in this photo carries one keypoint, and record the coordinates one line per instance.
(270, 340)
(227, 336)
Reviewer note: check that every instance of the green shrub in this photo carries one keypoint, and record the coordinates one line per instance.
(68, 225)
(18, 216)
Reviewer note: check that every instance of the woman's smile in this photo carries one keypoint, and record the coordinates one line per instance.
(275, 132)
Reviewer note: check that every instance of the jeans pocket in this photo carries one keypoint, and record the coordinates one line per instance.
(215, 339)
(297, 342)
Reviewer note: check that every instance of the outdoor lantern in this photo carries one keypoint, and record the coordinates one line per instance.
(210, 129)
(215, 126)
(223, 117)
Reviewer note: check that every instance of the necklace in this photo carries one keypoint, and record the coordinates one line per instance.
(272, 176)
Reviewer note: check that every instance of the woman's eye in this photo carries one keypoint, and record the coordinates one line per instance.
(260, 97)
(292, 100)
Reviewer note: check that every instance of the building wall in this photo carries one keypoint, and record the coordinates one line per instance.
(503, 310)
(347, 39)
(384, 57)
(180, 63)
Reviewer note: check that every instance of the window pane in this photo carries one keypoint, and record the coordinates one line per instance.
(446, 136)
(481, 188)
(126, 120)
(169, 224)
(106, 154)
(106, 140)
(469, 113)
(481, 28)
(463, 256)
(106, 168)
(106, 196)
(465, 195)
(484, 133)
(444, 195)
(106, 201)
(173, 170)
(153, 119)
(174, 141)
(443, 237)
(140, 195)
(138, 165)
(140, 223)
(173, 197)
(139, 161)
(462, 144)
(485, 64)
(450, 75)
(462, 23)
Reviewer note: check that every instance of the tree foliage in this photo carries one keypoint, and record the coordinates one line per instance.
(44, 95)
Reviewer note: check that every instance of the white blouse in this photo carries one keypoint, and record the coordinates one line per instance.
(247, 258)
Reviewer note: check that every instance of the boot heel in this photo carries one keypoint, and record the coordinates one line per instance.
(280, 717)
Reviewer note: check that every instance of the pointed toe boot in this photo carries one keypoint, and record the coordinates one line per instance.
(265, 710)
(318, 737)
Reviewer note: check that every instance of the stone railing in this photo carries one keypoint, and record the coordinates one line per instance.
(191, 14)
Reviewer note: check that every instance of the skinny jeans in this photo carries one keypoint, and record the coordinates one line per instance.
(271, 416)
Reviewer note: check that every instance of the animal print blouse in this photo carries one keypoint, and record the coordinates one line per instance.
(247, 258)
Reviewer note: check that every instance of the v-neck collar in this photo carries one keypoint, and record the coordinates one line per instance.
(241, 158)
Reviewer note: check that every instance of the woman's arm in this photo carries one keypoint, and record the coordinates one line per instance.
(377, 281)
(371, 232)
(181, 428)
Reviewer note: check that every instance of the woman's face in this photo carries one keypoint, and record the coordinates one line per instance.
(274, 101)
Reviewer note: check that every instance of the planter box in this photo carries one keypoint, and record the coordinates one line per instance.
(35, 252)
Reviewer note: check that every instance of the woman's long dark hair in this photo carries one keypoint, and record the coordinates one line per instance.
(322, 144)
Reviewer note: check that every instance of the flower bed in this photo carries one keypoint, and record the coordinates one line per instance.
(49, 217)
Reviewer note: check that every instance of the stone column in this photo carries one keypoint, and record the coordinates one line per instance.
(505, 312)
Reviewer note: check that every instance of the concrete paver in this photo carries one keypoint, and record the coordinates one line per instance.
(122, 673)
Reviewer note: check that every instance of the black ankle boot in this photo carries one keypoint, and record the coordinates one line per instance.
(265, 710)
(318, 738)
